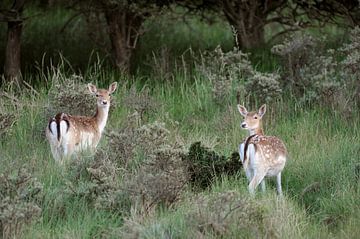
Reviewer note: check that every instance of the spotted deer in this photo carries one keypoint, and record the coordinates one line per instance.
(69, 134)
(262, 156)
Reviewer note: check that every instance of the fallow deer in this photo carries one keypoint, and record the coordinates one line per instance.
(69, 134)
(262, 156)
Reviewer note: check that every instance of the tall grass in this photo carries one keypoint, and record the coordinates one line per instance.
(319, 180)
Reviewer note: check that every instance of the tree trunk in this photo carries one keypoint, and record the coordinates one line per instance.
(124, 27)
(249, 19)
(250, 37)
(13, 57)
(250, 31)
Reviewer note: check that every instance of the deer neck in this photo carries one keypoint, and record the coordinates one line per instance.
(101, 117)
(257, 131)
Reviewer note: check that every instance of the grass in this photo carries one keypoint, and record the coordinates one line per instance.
(319, 180)
(320, 183)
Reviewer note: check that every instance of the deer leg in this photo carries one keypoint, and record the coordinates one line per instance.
(278, 184)
(263, 186)
(249, 174)
(255, 181)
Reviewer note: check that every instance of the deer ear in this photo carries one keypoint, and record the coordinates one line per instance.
(92, 88)
(242, 110)
(262, 110)
(112, 87)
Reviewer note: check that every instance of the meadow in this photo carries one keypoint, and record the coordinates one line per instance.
(172, 101)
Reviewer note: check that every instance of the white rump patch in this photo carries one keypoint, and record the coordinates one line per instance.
(63, 128)
(241, 152)
(53, 129)
(251, 152)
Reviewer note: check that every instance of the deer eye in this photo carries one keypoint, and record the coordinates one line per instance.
(255, 117)
(97, 95)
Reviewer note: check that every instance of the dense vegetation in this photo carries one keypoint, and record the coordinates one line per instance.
(150, 177)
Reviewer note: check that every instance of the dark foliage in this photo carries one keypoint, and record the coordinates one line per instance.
(204, 165)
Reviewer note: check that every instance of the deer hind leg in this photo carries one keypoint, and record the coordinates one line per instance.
(278, 184)
(255, 181)
(263, 185)
(56, 152)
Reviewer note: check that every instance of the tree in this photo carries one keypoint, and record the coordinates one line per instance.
(13, 17)
(250, 17)
(124, 21)
(247, 17)
(330, 11)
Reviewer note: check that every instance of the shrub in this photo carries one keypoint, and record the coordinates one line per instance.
(264, 87)
(232, 72)
(221, 213)
(134, 140)
(205, 165)
(70, 95)
(96, 181)
(160, 180)
(10, 108)
(312, 74)
(316, 76)
(297, 51)
(226, 214)
(7, 120)
(351, 64)
(19, 196)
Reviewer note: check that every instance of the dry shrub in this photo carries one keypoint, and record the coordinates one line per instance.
(161, 180)
(225, 214)
(229, 214)
(315, 75)
(351, 64)
(96, 180)
(264, 86)
(220, 213)
(19, 196)
(10, 110)
(154, 171)
(297, 51)
(232, 72)
(70, 95)
(135, 139)
(352, 51)
(151, 165)
(7, 120)
(141, 102)
(204, 165)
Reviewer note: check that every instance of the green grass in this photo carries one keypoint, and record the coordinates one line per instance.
(320, 184)
(323, 152)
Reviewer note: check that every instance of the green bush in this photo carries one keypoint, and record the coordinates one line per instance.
(205, 165)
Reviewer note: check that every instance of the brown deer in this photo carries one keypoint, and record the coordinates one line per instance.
(69, 134)
(261, 155)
